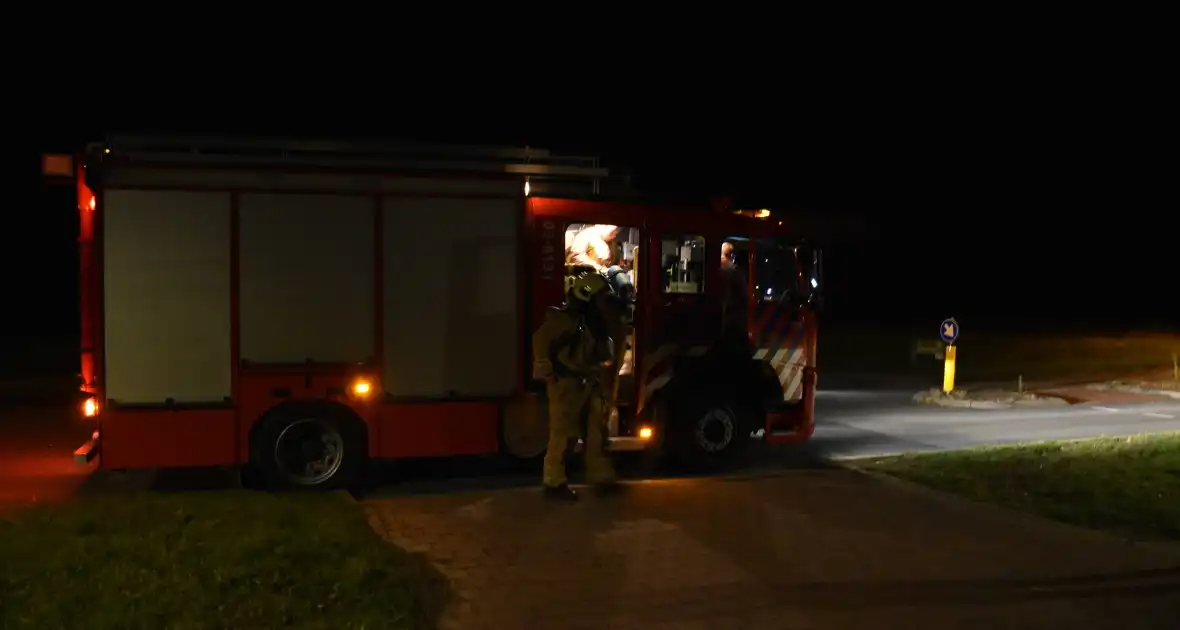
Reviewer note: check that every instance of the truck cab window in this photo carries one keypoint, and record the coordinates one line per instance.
(682, 259)
(735, 250)
(776, 271)
(600, 247)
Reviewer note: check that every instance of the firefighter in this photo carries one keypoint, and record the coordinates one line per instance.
(727, 255)
(590, 247)
(573, 353)
(733, 294)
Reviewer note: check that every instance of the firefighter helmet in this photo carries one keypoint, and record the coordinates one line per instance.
(588, 285)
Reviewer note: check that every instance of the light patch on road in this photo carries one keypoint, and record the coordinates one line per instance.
(1110, 409)
(645, 543)
(849, 394)
(1158, 415)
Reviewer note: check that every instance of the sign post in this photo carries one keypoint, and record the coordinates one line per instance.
(948, 331)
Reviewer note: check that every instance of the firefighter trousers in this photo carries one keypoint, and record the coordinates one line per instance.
(573, 406)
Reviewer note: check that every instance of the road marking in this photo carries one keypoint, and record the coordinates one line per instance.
(1159, 415)
(1107, 409)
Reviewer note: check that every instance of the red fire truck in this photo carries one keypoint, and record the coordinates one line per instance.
(303, 308)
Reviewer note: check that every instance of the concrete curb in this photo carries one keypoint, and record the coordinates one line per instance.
(1131, 389)
(1046, 402)
(952, 403)
(1164, 548)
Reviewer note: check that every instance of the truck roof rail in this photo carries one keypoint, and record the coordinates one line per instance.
(240, 151)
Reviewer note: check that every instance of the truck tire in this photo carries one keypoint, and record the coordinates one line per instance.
(312, 447)
(712, 435)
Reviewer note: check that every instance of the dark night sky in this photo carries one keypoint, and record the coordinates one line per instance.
(1050, 213)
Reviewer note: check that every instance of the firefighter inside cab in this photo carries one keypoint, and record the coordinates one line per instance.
(576, 357)
(734, 307)
(590, 247)
(602, 248)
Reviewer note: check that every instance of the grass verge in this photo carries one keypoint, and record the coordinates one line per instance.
(1129, 486)
(234, 559)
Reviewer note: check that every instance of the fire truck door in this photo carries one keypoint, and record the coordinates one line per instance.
(682, 318)
(566, 246)
(776, 320)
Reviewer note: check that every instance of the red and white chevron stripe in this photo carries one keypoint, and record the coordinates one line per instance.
(659, 367)
(788, 364)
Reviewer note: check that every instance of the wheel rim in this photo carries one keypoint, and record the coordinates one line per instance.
(309, 451)
(715, 429)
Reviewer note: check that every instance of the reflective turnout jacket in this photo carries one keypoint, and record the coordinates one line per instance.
(571, 362)
(564, 348)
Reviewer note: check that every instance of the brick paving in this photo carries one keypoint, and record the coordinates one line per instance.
(805, 549)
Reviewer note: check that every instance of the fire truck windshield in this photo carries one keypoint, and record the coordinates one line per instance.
(777, 271)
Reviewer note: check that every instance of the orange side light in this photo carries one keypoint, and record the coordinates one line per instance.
(361, 388)
(90, 408)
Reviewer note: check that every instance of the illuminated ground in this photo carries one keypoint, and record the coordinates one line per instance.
(866, 422)
(827, 549)
(36, 453)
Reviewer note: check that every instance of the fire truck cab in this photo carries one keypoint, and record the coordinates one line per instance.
(303, 308)
(700, 393)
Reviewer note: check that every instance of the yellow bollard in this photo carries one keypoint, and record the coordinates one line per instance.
(948, 370)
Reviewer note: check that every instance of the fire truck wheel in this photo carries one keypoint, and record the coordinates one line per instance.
(714, 435)
(309, 447)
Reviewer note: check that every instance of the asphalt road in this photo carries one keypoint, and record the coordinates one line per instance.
(865, 423)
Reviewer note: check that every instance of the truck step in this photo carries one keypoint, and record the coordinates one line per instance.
(85, 453)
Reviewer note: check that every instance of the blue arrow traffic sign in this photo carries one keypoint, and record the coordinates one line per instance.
(949, 330)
